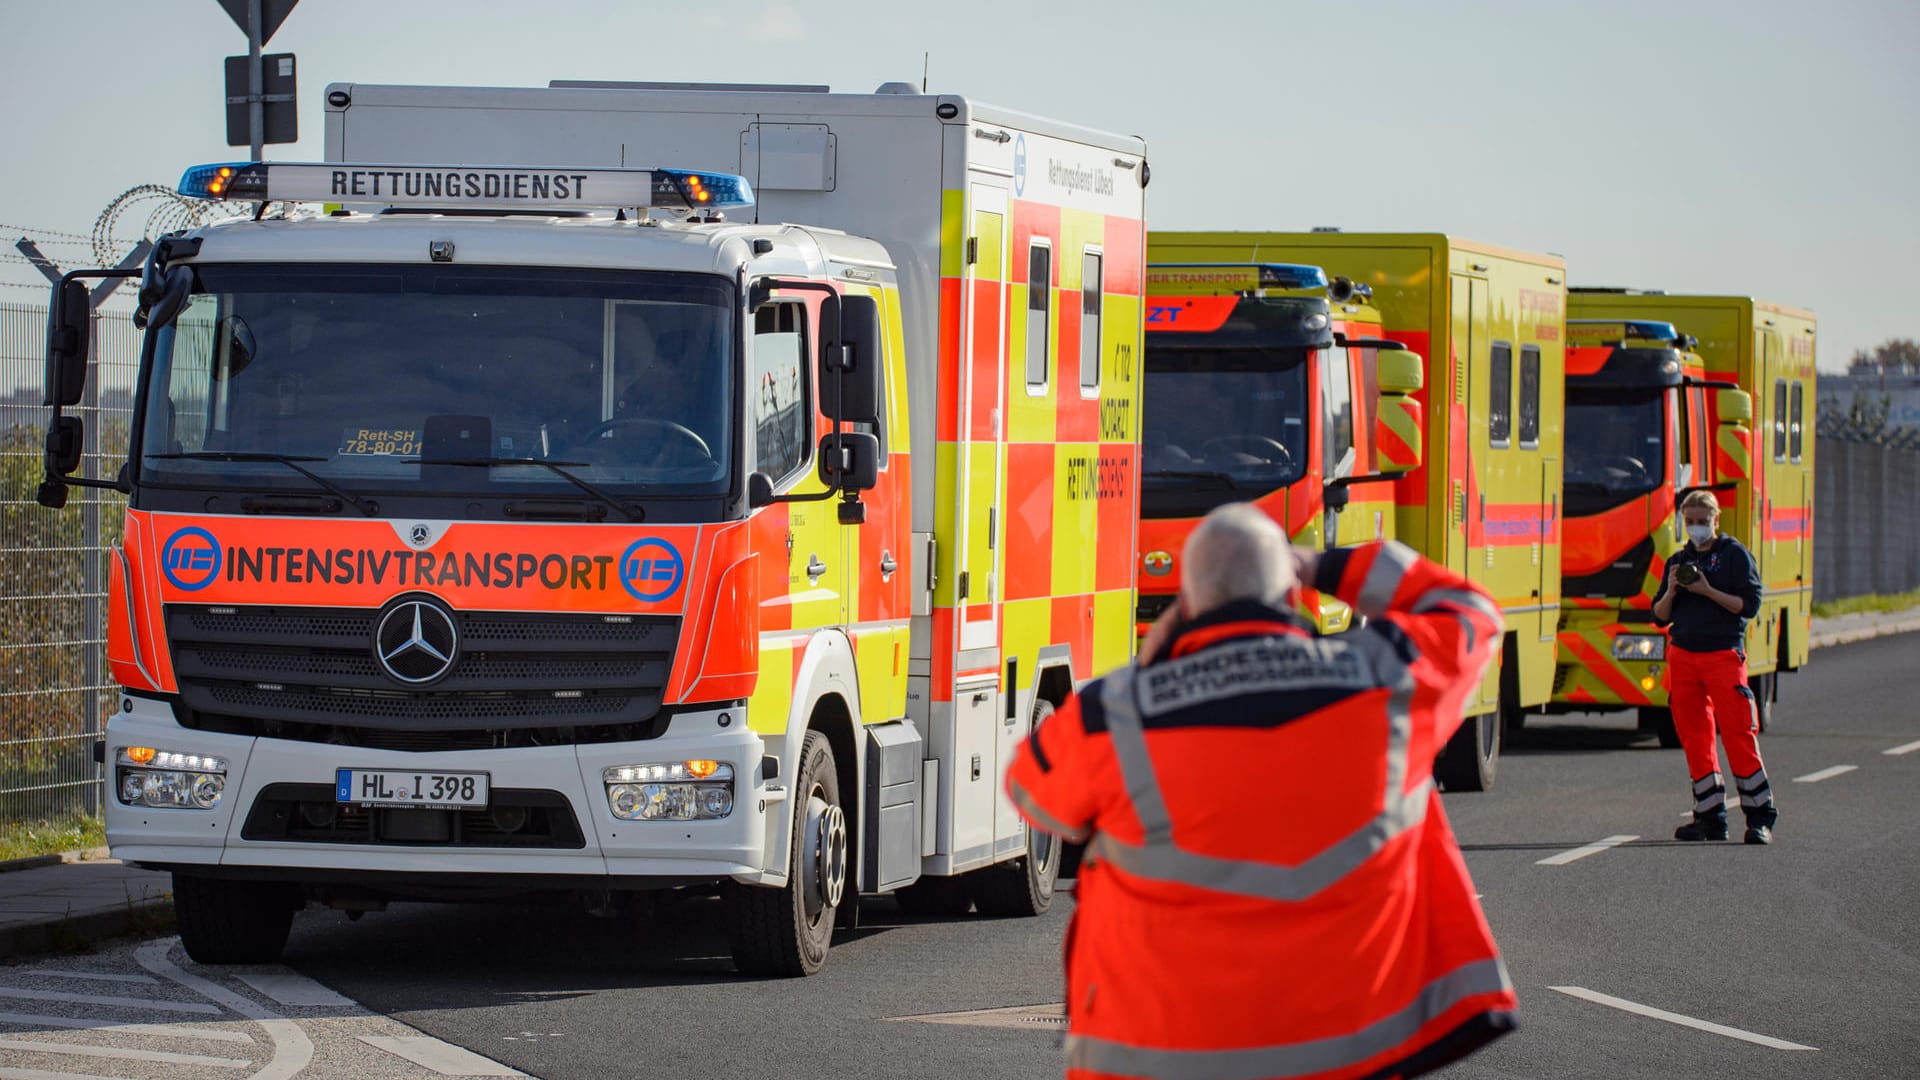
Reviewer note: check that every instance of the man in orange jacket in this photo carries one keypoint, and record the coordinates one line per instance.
(1270, 886)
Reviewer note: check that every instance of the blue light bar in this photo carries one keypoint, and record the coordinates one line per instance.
(499, 187)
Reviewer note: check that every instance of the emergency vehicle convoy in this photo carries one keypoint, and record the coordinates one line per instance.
(528, 526)
(1647, 422)
(1266, 383)
(1484, 495)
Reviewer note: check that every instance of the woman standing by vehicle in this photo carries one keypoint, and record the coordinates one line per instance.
(1711, 589)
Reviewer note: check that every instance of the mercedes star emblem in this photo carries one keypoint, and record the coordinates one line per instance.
(416, 641)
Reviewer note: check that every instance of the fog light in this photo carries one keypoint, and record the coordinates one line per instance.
(1647, 682)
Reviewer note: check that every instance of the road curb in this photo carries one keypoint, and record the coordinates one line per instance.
(78, 933)
(1864, 633)
(35, 862)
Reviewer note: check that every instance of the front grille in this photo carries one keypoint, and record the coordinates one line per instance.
(516, 818)
(1149, 608)
(518, 678)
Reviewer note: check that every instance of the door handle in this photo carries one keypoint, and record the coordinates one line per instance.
(815, 569)
(887, 565)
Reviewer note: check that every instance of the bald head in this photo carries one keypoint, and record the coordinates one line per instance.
(1237, 553)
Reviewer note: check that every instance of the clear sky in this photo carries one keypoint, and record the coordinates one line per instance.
(1767, 147)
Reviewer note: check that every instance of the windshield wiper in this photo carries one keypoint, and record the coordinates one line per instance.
(1189, 474)
(365, 506)
(634, 513)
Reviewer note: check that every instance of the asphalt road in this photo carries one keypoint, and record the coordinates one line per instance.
(1811, 943)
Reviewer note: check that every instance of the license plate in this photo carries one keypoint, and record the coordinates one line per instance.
(397, 787)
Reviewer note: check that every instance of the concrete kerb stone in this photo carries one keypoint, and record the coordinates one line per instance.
(34, 862)
(1844, 629)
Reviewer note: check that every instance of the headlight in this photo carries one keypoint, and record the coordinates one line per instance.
(165, 779)
(1640, 647)
(670, 790)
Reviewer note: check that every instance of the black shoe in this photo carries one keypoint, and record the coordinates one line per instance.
(1759, 834)
(1698, 830)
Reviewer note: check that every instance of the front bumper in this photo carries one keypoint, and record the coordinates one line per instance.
(608, 851)
(1589, 677)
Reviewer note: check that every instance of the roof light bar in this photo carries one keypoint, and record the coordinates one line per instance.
(507, 187)
(1172, 278)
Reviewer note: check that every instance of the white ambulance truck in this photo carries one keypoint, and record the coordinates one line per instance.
(536, 518)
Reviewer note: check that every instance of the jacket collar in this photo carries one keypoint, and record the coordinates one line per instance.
(1239, 618)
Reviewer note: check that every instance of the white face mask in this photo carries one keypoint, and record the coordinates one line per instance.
(1700, 534)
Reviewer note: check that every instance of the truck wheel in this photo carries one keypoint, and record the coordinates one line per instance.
(1762, 687)
(786, 931)
(1023, 887)
(233, 922)
(1660, 722)
(1472, 756)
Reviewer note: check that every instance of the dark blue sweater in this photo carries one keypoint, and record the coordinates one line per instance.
(1700, 625)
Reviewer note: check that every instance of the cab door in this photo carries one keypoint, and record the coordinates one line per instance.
(983, 391)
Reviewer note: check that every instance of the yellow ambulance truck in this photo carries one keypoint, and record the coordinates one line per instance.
(1610, 654)
(1485, 499)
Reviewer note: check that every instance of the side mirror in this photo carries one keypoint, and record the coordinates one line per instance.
(64, 442)
(1733, 406)
(850, 362)
(69, 341)
(850, 461)
(759, 490)
(1399, 371)
(175, 290)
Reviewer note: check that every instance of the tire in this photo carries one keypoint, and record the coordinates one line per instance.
(935, 897)
(233, 922)
(1472, 756)
(1762, 687)
(1660, 723)
(787, 931)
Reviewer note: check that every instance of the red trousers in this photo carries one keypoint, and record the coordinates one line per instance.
(1708, 691)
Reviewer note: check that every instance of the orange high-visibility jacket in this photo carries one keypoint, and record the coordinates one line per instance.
(1270, 887)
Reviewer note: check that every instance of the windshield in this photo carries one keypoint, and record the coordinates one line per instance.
(1616, 446)
(361, 372)
(1220, 426)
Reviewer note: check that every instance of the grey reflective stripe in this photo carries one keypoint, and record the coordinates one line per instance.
(1130, 749)
(1160, 857)
(1460, 598)
(1706, 803)
(1709, 782)
(1389, 568)
(1752, 783)
(1267, 881)
(1039, 816)
(1294, 1059)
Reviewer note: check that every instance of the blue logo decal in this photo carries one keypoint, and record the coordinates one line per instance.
(1020, 165)
(191, 559)
(652, 570)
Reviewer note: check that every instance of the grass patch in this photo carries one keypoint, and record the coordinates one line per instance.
(21, 839)
(1851, 605)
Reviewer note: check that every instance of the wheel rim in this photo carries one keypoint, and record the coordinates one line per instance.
(1040, 848)
(824, 863)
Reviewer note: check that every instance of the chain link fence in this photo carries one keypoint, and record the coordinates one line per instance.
(58, 691)
(1866, 509)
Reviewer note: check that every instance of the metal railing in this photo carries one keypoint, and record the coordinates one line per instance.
(57, 692)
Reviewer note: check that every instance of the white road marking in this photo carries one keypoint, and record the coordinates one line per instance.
(1594, 848)
(1676, 1018)
(1903, 748)
(122, 1054)
(1827, 773)
(176, 1031)
(443, 1058)
(94, 975)
(107, 999)
(292, 1050)
(293, 988)
(38, 1074)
